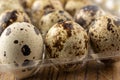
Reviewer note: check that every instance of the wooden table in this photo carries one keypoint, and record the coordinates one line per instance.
(91, 71)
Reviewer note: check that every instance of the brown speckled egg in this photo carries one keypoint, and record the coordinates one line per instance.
(86, 15)
(64, 40)
(48, 20)
(10, 16)
(21, 44)
(73, 5)
(10, 5)
(41, 7)
(105, 34)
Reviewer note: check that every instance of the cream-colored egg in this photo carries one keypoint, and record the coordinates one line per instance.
(21, 44)
(67, 40)
(10, 5)
(86, 15)
(105, 34)
(10, 16)
(48, 20)
(73, 5)
(41, 7)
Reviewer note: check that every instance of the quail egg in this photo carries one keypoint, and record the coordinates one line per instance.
(86, 15)
(21, 44)
(73, 5)
(10, 16)
(105, 35)
(41, 7)
(10, 4)
(48, 20)
(66, 40)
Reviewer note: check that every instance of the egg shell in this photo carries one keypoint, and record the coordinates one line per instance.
(105, 34)
(87, 14)
(10, 16)
(10, 5)
(48, 20)
(67, 40)
(21, 44)
(73, 5)
(41, 7)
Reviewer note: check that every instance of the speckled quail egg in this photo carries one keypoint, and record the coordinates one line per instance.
(105, 35)
(10, 4)
(66, 40)
(10, 16)
(73, 5)
(86, 15)
(21, 44)
(48, 20)
(41, 7)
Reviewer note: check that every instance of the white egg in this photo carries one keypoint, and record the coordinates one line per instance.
(21, 44)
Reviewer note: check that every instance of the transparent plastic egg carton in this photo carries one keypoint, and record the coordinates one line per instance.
(9, 69)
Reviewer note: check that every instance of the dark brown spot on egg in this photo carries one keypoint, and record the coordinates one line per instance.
(48, 9)
(86, 44)
(16, 64)
(60, 21)
(23, 70)
(61, 12)
(33, 57)
(28, 25)
(48, 48)
(117, 22)
(10, 17)
(58, 44)
(52, 20)
(68, 27)
(109, 25)
(8, 31)
(16, 41)
(36, 31)
(81, 21)
(41, 22)
(4, 53)
(21, 29)
(1, 30)
(25, 50)
(26, 62)
(112, 45)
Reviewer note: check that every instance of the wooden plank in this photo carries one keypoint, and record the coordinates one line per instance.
(91, 71)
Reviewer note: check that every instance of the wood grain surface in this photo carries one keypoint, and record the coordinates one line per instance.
(91, 71)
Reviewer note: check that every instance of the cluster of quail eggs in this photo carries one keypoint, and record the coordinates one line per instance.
(66, 31)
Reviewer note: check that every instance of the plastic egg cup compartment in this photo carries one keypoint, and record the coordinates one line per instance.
(101, 59)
